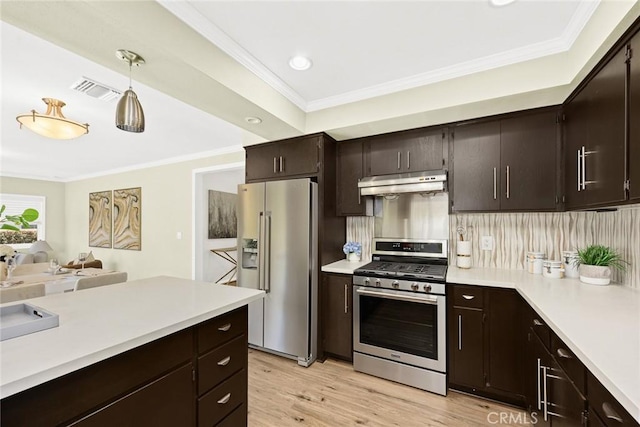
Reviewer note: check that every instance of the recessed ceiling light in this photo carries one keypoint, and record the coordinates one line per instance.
(253, 120)
(501, 2)
(300, 63)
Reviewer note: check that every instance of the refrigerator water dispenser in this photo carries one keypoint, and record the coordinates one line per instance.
(249, 253)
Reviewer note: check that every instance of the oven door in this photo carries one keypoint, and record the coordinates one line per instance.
(401, 326)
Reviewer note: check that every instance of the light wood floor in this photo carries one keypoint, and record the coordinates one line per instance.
(281, 394)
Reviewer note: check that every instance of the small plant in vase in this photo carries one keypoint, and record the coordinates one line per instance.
(353, 251)
(595, 263)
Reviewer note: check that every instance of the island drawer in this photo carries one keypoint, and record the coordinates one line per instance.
(538, 326)
(610, 412)
(222, 400)
(219, 364)
(222, 329)
(572, 366)
(238, 418)
(468, 296)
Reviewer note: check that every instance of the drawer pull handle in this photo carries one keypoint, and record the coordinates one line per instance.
(468, 297)
(225, 328)
(610, 413)
(536, 322)
(225, 361)
(564, 353)
(225, 399)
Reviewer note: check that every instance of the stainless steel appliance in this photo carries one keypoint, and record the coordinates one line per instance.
(277, 244)
(399, 313)
(412, 182)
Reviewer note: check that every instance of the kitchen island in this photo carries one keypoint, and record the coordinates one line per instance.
(144, 351)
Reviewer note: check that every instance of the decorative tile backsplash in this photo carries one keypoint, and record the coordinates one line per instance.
(515, 234)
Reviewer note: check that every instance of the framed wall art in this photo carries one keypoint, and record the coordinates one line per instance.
(223, 223)
(127, 219)
(100, 219)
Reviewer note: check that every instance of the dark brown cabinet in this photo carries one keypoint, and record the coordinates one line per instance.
(408, 151)
(349, 172)
(595, 139)
(633, 156)
(604, 408)
(484, 342)
(197, 376)
(506, 164)
(283, 159)
(337, 315)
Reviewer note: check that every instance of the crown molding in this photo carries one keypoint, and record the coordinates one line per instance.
(194, 19)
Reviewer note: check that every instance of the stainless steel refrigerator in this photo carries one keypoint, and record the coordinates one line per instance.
(277, 249)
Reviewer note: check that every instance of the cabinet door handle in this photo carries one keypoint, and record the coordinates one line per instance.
(408, 160)
(459, 331)
(563, 353)
(225, 399)
(346, 301)
(225, 328)
(275, 165)
(610, 413)
(578, 169)
(584, 185)
(359, 196)
(398, 160)
(495, 183)
(225, 361)
(536, 322)
(508, 181)
(545, 408)
(281, 164)
(468, 297)
(538, 384)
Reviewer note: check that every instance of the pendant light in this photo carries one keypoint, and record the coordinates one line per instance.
(52, 124)
(129, 114)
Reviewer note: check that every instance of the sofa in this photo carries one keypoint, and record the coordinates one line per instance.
(22, 258)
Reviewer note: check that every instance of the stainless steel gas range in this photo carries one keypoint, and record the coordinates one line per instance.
(399, 313)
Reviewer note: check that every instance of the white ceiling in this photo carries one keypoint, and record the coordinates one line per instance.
(378, 66)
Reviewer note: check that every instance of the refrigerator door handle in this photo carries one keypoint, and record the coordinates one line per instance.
(267, 264)
(260, 252)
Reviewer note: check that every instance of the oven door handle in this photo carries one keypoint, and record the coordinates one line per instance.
(422, 299)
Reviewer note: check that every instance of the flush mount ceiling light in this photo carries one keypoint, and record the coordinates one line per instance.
(501, 2)
(253, 120)
(129, 114)
(300, 63)
(52, 124)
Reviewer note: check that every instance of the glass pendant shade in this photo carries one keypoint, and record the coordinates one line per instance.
(52, 124)
(129, 114)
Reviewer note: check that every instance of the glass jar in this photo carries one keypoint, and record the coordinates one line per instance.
(569, 259)
(534, 262)
(553, 269)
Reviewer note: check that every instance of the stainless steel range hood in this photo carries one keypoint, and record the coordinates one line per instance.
(413, 182)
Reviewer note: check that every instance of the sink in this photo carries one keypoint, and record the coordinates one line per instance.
(24, 318)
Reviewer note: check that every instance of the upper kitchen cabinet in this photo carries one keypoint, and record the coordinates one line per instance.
(634, 123)
(595, 150)
(283, 159)
(349, 172)
(408, 151)
(506, 164)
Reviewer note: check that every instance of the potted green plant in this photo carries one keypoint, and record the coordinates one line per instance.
(595, 263)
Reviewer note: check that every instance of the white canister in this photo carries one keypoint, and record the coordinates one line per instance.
(534, 262)
(463, 252)
(553, 269)
(569, 259)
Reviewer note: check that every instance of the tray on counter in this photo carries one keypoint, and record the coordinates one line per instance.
(24, 318)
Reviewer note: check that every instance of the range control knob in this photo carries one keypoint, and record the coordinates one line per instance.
(367, 281)
(427, 288)
(378, 283)
(395, 284)
(414, 286)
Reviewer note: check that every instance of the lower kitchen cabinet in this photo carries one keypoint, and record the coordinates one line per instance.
(485, 348)
(337, 315)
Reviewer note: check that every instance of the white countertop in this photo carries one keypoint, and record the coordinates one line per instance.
(600, 324)
(98, 323)
(343, 266)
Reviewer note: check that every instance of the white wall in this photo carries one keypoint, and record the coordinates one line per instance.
(166, 210)
(209, 266)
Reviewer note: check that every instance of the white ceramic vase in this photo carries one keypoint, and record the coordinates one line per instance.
(594, 274)
(353, 257)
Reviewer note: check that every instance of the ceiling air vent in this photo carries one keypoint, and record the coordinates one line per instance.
(95, 89)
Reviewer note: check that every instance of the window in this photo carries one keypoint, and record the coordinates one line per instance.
(15, 205)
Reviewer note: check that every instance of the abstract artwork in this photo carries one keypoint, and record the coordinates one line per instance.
(223, 223)
(127, 218)
(100, 219)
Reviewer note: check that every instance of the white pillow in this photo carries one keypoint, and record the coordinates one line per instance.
(90, 258)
